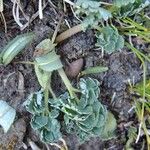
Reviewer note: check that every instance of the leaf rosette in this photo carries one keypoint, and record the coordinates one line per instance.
(46, 125)
(86, 117)
(109, 39)
(92, 11)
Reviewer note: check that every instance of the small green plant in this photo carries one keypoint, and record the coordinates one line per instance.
(93, 70)
(84, 116)
(109, 40)
(93, 11)
(44, 121)
(138, 89)
(79, 111)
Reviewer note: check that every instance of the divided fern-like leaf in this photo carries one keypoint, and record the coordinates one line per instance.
(94, 13)
(109, 40)
(121, 3)
(87, 117)
(47, 125)
(130, 8)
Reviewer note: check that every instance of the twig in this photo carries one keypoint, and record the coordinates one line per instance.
(69, 2)
(33, 17)
(3, 19)
(15, 11)
(56, 30)
(52, 3)
(40, 10)
(139, 132)
(33, 145)
(64, 144)
(2, 15)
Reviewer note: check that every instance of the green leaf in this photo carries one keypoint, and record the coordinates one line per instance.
(92, 11)
(110, 126)
(49, 61)
(120, 3)
(38, 122)
(7, 115)
(109, 40)
(43, 76)
(93, 70)
(15, 46)
(48, 128)
(35, 103)
(51, 133)
(46, 45)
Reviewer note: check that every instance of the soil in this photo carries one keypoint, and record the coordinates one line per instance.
(17, 81)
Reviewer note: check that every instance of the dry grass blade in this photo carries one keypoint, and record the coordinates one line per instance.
(16, 12)
(1, 6)
(33, 145)
(33, 17)
(2, 15)
(40, 9)
(69, 2)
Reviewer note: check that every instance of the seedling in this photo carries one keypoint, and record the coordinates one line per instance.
(83, 114)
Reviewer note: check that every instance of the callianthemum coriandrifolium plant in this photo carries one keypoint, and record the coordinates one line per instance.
(109, 40)
(84, 115)
(45, 124)
(87, 117)
(83, 110)
(93, 12)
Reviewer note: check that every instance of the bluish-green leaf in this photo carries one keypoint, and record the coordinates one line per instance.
(7, 115)
(120, 3)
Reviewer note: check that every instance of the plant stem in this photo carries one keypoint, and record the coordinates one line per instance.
(51, 91)
(46, 95)
(63, 36)
(66, 82)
